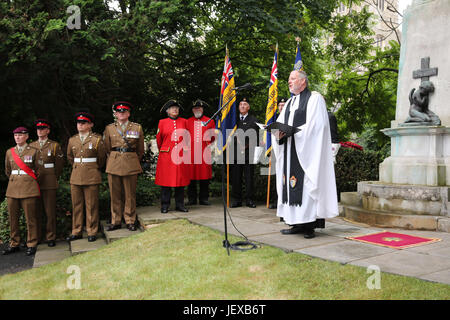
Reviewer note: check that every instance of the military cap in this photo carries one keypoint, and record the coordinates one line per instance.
(200, 103)
(170, 103)
(84, 117)
(122, 106)
(42, 124)
(282, 100)
(20, 130)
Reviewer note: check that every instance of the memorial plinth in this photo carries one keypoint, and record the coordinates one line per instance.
(414, 187)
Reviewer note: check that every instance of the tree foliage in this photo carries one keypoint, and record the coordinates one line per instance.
(148, 51)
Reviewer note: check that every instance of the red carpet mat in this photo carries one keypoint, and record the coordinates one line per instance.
(394, 240)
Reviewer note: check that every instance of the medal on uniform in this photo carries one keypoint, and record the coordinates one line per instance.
(90, 145)
(27, 159)
(132, 134)
(292, 181)
(49, 153)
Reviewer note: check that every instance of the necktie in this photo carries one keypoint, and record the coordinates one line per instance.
(242, 118)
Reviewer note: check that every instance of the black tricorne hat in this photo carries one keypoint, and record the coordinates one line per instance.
(42, 124)
(200, 103)
(170, 103)
(122, 106)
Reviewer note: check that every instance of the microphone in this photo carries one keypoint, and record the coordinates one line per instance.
(243, 87)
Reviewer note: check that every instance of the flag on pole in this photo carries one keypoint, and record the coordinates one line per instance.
(271, 109)
(227, 97)
(298, 64)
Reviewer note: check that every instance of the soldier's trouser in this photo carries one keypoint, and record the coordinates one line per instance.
(123, 198)
(47, 203)
(85, 196)
(29, 207)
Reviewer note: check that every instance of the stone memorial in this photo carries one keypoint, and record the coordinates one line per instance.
(414, 187)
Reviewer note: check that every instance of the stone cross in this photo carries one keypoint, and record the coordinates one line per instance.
(425, 72)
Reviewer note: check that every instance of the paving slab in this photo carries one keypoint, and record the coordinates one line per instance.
(440, 276)
(345, 251)
(294, 241)
(406, 263)
(343, 230)
(249, 228)
(118, 234)
(83, 245)
(45, 254)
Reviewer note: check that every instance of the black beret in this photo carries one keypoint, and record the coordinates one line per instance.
(121, 106)
(170, 103)
(245, 99)
(42, 123)
(282, 100)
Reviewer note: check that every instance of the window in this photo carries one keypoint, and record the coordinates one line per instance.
(341, 8)
(380, 41)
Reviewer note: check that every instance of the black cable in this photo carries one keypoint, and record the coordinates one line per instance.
(239, 245)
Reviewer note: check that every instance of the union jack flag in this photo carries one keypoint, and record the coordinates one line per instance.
(227, 122)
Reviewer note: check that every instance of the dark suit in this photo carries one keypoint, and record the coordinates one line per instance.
(244, 150)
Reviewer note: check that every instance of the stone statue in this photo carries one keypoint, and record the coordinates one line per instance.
(419, 114)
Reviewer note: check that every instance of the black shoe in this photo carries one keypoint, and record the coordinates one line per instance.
(164, 210)
(31, 251)
(205, 203)
(72, 237)
(281, 220)
(236, 204)
(131, 227)
(10, 250)
(191, 203)
(251, 204)
(309, 234)
(92, 238)
(293, 230)
(181, 209)
(112, 227)
(51, 243)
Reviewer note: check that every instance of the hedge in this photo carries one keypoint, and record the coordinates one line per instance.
(352, 166)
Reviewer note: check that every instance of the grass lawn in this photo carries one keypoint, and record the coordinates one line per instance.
(180, 260)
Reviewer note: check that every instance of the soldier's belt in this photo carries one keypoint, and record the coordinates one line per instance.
(18, 172)
(79, 160)
(49, 165)
(120, 149)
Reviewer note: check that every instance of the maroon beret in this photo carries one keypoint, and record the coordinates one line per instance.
(20, 130)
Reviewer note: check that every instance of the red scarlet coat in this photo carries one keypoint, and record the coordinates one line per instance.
(168, 172)
(201, 168)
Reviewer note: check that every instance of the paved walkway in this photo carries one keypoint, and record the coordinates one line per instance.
(428, 262)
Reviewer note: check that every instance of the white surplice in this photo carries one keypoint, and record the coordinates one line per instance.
(313, 146)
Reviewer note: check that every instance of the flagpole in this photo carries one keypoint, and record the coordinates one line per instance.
(268, 182)
(228, 180)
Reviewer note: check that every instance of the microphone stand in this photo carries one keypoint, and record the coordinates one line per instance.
(225, 242)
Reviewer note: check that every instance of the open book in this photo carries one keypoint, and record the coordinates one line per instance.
(289, 130)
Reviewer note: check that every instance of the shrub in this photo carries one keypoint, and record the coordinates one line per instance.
(352, 166)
